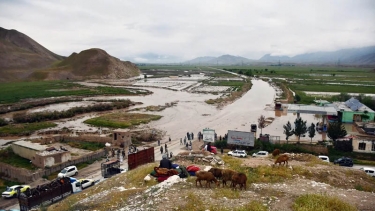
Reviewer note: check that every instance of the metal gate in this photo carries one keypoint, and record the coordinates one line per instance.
(140, 158)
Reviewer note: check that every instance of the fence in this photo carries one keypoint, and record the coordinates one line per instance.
(26, 176)
(140, 158)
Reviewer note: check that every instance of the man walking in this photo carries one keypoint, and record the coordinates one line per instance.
(161, 150)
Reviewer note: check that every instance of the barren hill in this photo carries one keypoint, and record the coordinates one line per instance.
(89, 64)
(20, 55)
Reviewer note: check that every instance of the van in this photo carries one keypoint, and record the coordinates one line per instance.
(324, 158)
(68, 172)
(369, 171)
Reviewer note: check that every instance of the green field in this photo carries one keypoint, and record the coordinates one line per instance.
(16, 91)
(122, 120)
(24, 129)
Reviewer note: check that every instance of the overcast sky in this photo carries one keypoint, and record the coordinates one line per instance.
(165, 31)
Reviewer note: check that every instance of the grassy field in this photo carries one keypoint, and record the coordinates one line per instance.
(17, 91)
(9, 157)
(24, 129)
(122, 120)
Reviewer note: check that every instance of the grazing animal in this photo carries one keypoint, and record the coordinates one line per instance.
(216, 172)
(205, 175)
(226, 175)
(276, 152)
(239, 179)
(282, 159)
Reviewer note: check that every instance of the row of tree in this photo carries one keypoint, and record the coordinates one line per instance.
(335, 130)
(54, 115)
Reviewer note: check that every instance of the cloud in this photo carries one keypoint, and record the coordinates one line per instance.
(182, 30)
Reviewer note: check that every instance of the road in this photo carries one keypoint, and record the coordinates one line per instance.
(93, 171)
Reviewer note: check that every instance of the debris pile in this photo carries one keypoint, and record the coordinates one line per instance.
(200, 157)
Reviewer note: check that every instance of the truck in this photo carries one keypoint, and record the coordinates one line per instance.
(111, 167)
(48, 193)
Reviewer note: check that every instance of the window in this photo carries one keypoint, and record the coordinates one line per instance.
(362, 146)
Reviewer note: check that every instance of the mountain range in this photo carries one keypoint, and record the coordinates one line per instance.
(22, 58)
(355, 56)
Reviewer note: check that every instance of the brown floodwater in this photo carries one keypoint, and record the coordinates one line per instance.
(192, 114)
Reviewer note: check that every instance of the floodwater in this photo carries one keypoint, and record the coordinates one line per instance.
(192, 114)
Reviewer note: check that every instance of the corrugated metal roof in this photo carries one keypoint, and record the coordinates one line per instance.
(311, 109)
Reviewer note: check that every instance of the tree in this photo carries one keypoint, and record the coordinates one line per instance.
(261, 123)
(297, 98)
(288, 131)
(336, 130)
(311, 131)
(299, 128)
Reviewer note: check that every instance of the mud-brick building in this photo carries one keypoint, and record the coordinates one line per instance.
(122, 138)
(51, 157)
(365, 145)
(27, 149)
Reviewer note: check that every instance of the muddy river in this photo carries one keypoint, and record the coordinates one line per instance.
(192, 114)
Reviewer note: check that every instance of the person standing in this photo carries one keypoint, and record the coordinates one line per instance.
(170, 139)
(161, 150)
(165, 146)
(222, 150)
(180, 141)
(192, 136)
(158, 142)
(185, 140)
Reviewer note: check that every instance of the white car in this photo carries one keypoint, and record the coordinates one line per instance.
(324, 158)
(85, 183)
(369, 171)
(238, 153)
(68, 172)
(261, 154)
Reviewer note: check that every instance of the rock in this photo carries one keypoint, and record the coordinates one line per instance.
(205, 160)
(147, 178)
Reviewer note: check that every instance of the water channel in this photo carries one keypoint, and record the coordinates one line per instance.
(192, 114)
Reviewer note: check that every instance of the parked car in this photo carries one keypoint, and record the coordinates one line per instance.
(13, 190)
(369, 171)
(324, 158)
(261, 154)
(87, 183)
(238, 153)
(68, 172)
(344, 161)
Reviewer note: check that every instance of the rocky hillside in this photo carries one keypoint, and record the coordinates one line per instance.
(89, 64)
(20, 55)
(307, 183)
(23, 58)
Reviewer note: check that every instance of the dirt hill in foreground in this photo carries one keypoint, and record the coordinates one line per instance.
(20, 55)
(89, 64)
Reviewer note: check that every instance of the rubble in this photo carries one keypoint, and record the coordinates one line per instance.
(200, 157)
